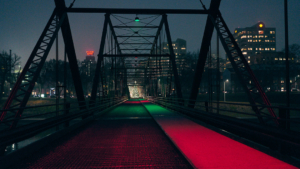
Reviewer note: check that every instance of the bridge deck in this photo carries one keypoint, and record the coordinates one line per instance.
(126, 137)
(129, 137)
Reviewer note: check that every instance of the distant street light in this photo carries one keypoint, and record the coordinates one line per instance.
(225, 90)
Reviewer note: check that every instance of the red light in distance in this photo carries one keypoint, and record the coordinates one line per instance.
(90, 53)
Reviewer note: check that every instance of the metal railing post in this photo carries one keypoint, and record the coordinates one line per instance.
(283, 118)
(67, 110)
(206, 106)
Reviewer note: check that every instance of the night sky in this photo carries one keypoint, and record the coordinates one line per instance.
(22, 22)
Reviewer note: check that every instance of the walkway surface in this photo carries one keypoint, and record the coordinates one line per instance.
(207, 149)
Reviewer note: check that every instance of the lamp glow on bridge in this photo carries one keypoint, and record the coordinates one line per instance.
(137, 19)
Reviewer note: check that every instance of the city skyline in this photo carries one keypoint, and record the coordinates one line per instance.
(23, 22)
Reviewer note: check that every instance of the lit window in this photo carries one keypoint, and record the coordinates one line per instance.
(261, 36)
(248, 61)
(259, 48)
(272, 48)
(244, 32)
(183, 48)
(249, 48)
(173, 44)
(249, 40)
(255, 36)
(267, 40)
(244, 36)
(283, 58)
(266, 36)
(282, 81)
(249, 36)
(276, 59)
(256, 48)
(243, 49)
(267, 48)
(291, 81)
(260, 32)
(272, 32)
(248, 57)
(244, 53)
(280, 58)
(259, 40)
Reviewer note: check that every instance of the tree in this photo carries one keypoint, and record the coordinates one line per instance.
(7, 64)
(294, 50)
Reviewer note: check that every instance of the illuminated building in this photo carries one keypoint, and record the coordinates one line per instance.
(179, 47)
(254, 40)
(89, 63)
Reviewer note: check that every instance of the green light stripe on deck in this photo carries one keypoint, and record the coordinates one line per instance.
(135, 99)
(157, 110)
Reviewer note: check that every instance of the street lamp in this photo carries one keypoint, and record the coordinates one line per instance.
(224, 89)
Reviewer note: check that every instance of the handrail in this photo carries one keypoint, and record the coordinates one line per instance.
(174, 103)
(20, 133)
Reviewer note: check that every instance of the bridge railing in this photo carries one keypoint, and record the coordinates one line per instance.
(237, 118)
(36, 122)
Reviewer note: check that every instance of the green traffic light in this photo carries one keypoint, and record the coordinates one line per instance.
(137, 19)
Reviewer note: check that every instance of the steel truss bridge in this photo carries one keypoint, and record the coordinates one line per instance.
(135, 55)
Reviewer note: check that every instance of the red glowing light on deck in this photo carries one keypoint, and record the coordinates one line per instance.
(144, 101)
(90, 53)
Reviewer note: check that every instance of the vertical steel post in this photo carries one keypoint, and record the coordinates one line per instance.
(172, 58)
(65, 76)
(68, 40)
(209, 28)
(56, 77)
(100, 59)
(218, 76)
(287, 66)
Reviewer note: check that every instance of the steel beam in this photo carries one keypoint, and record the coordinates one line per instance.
(114, 35)
(135, 49)
(137, 11)
(209, 28)
(70, 49)
(157, 33)
(135, 55)
(21, 92)
(135, 26)
(135, 43)
(136, 36)
(172, 59)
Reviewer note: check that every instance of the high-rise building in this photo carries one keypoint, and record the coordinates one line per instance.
(254, 40)
(89, 63)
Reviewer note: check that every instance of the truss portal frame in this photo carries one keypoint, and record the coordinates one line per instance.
(59, 21)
